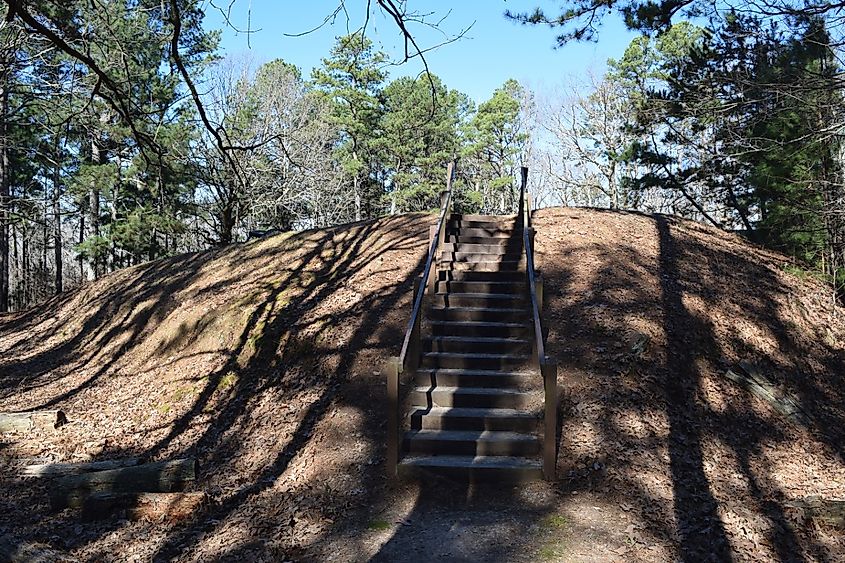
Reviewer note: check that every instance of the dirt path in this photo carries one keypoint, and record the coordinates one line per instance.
(448, 521)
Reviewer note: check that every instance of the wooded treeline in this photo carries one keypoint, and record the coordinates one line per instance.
(734, 118)
(125, 136)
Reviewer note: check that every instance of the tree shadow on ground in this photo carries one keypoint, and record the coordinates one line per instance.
(686, 453)
(665, 421)
(277, 353)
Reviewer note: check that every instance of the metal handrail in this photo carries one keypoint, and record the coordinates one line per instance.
(525, 218)
(446, 200)
(547, 365)
(535, 306)
(409, 357)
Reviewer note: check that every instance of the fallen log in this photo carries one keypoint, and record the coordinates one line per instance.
(26, 421)
(829, 511)
(51, 470)
(750, 378)
(14, 551)
(160, 477)
(157, 507)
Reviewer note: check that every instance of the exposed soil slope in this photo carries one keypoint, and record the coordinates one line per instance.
(262, 360)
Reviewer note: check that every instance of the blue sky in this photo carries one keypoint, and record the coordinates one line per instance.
(493, 50)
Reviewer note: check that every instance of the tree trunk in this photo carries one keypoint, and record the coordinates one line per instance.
(91, 265)
(24, 277)
(356, 188)
(5, 177)
(57, 217)
(91, 269)
(113, 263)
(227, 224)
(81, 240)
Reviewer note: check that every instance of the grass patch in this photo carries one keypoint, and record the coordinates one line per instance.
(554, 522)
(181, 393)
(227, 381)
(797, 271)
(379, 525)
(804, 274)
(555, 548)
(552, 551)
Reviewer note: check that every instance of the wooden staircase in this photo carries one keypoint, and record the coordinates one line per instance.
(469, 412)
(476, 398)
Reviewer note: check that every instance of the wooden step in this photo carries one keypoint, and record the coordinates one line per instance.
(477, 344)
(484, 266)
(498, 226)
(475, 397)
(469, 418)
(504, 300)
(492, 231)
(509, 248)
(490, 314)
(479, 257)
(499, 469)
(471, 442)
(474, 360)
(508, 221)
(482, 218)
(469, 275)
(473, 378)
(506, 241)
(498, 287)
(480, 328)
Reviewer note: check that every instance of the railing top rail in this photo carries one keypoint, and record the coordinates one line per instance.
(525, 218)
(432, 251)
(535, 308)
(524, 206)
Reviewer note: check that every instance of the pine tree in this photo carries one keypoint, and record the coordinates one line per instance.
(352, 78)
(419, 136)
(495, 140)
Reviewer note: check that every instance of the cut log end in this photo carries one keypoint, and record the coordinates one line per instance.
(751, 379)
(51, 470)
(826, 511)
(27, 421)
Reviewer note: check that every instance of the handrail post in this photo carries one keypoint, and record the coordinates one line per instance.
(524, 199)
(522, 187)
(392, 369)
(433, 232)
(538, 284)
(444, 198)
(528, 209)
(413, 359)
(548, 367)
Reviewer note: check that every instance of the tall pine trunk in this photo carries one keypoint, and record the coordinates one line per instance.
(5, 200)
(115, 194)
(57, 220)
(91, 269)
